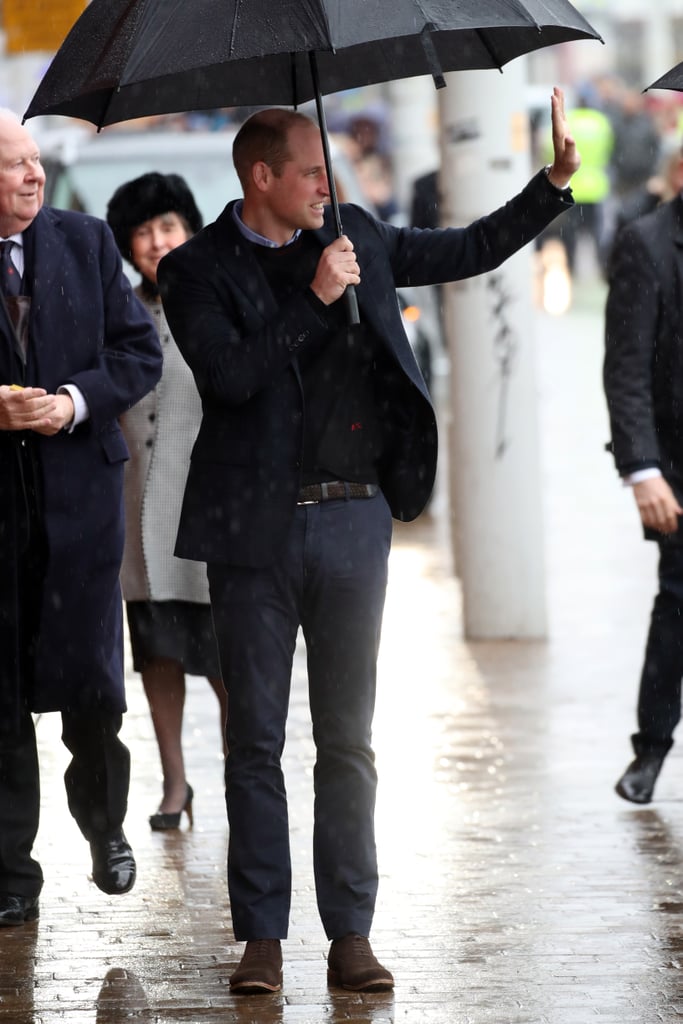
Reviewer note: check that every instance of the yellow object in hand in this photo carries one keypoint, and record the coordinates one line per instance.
(16, 387)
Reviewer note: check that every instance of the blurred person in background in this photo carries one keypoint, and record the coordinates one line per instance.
(643, 380)
(376, 178)
(167, 598)
(635, 160)
(637, 146)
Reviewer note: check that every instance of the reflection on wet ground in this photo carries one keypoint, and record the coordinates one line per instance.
(516, 888)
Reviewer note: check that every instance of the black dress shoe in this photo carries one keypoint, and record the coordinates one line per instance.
(638, 781)
(17, 909)
(113, 863)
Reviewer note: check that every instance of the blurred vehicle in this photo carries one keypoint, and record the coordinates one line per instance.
(84, 169)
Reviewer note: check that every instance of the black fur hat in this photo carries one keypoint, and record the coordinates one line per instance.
(146, 197)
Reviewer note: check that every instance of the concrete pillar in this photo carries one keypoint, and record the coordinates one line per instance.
(414, 131)
(495, 486)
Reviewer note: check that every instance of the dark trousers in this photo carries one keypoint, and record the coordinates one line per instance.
(659, 698)
(96, 781)
(330, 579)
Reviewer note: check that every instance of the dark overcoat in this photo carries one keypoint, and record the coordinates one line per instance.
(643, 367)
(242, 348)
(86, 328)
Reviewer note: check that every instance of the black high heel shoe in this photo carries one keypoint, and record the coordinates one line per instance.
(163, 820)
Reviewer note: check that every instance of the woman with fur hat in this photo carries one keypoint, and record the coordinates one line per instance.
(167, 598)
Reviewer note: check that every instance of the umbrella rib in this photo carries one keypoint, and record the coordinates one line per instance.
(490, 50)
(519, 8)
(233, 30)
(102, 120)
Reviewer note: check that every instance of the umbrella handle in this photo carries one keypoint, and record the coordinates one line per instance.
(351, 302)
(350, 299)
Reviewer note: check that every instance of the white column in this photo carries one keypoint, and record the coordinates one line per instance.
(414, 114)
(494, 451)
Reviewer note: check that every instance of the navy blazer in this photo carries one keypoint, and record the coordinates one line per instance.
(87, 328)
(242, 348)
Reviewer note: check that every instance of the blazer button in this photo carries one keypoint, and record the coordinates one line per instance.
(149, 442)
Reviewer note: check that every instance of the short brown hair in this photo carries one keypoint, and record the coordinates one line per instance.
(264, 136)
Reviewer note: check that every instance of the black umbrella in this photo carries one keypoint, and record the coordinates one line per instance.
(131, 58)
(673, 79)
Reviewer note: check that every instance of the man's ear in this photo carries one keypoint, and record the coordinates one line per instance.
(261, 175)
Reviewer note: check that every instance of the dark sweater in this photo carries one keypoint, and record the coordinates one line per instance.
(342, 435)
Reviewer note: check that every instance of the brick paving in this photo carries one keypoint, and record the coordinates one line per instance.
(516, 888)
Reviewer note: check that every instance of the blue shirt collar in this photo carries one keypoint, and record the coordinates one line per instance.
(253, 236)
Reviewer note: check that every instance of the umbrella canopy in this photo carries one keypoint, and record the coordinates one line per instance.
(673, 79)
(131, 58)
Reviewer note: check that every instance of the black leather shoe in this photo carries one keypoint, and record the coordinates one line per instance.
(638, 781)
(113, 863)
(17, 909)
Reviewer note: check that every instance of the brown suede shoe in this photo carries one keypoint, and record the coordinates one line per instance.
(352, 965)
(260, 969)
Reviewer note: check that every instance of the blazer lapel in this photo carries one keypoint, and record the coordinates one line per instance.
(245, 271)
(43, 249)
(44, 253)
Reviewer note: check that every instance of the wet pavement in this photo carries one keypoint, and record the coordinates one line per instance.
(516, 887)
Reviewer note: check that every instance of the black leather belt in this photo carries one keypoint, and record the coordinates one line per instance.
(314, 493)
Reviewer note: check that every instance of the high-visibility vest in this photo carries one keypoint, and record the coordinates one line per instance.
(592, 132)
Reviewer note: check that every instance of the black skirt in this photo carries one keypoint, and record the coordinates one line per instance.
(179, 630)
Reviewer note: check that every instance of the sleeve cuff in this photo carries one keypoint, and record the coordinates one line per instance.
(639, 475)
(81, 411)
(566, 191)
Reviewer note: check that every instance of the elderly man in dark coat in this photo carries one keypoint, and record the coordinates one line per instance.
(76, 350)
(643, 377)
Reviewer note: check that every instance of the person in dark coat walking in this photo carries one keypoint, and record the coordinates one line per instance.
(643, 380)
(76, 350)
(313, 435)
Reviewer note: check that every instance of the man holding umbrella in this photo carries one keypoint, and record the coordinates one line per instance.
(313, 436)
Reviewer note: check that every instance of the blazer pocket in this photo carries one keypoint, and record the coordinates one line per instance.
(114, 444)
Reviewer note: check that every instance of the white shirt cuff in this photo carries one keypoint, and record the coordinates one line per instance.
(81, 411)
(640, 475)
